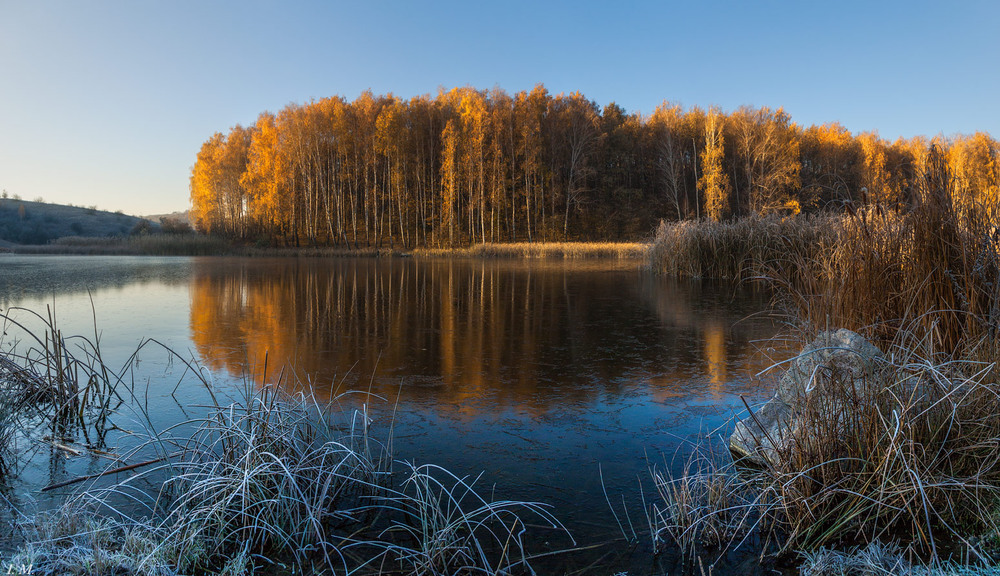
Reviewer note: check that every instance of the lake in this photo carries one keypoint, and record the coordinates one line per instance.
(558, 381)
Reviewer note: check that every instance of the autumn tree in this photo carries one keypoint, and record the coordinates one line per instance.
(975, 173)
(501, 160)
(474, 123)
(449, 179)
(529, 112)
(714, 182)
(205, 211)
(875, 174)
(218, 197)
(266, 177)
(768, 147)
(832, 163)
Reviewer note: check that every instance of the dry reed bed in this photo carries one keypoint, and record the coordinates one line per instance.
(546, 250)
(739, 249)
(933, 268)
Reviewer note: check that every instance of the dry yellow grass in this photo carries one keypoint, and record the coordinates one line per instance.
(198, 245)
(545, 250)
(742, 249)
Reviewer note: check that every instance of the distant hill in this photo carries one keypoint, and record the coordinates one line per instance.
(24, 222)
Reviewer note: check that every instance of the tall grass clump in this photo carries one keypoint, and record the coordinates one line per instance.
(439, 523)
(280, 476)
(933, 269)
(908, 454)
(57, 381)
(739, 249)
(708, 505)
(275, 474)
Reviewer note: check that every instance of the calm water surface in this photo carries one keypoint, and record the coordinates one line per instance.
(542, 376)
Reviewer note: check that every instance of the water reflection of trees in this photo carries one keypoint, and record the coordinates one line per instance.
(730, 323)
(507, 333)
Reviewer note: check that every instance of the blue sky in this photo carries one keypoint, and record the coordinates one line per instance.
(106, 103)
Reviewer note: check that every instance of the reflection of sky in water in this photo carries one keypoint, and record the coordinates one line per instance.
(533, 373)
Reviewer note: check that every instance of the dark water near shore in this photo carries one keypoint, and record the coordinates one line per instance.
(543, 376)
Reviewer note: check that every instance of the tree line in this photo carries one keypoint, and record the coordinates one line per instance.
(469, 166)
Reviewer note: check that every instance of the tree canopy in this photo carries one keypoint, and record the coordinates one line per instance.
(473, 165)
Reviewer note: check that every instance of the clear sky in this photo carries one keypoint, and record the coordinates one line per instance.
(106, 103)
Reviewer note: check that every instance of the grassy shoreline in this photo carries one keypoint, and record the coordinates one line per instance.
(197, 245)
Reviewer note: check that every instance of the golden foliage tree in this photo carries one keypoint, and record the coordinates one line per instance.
(875, 178)
(449, 179)
(714, 182)
(975, 172)
(768, 147)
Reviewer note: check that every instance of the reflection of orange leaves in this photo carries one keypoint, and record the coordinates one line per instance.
(212, 334)
(479, 335)
(714, 181)
(715, 355)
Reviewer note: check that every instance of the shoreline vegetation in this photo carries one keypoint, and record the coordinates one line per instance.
(896, 472)
(201, 245)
